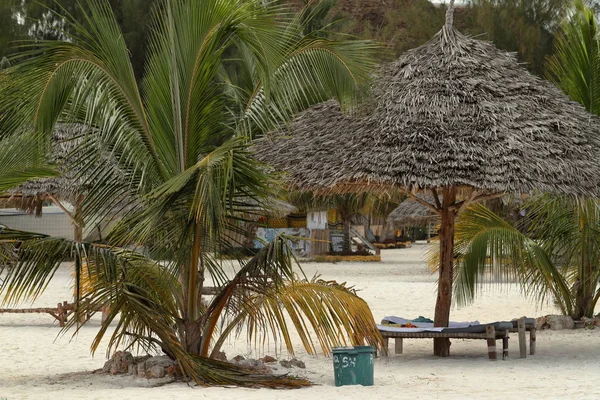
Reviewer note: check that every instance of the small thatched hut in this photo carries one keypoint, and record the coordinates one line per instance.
(413, 213)
(66, 187)
(456, 118)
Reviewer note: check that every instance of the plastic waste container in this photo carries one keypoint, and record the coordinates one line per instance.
(353, 365)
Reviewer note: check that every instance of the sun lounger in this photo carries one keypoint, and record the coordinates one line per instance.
(457, 330)
(523, 326)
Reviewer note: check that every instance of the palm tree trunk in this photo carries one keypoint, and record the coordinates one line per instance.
(584, 293)
(347, 226)
(193, 281)
(441, 346)
(78, 225)
(78, 221)
(584, 304)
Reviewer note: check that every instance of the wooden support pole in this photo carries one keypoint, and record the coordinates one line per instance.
(441, 346)
(491, 341)
(386, 344)
(522, 344)
(532, 334)
(505, 345)
(61, 314)
(398, 343)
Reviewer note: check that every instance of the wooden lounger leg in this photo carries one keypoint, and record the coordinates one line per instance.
(386, 346)
(532, 341)
(398, 345)
(505, 345)
(491, 342)
(522, 344)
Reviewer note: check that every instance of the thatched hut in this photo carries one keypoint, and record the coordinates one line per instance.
(66, 187)
(456, 118)
(413, 213)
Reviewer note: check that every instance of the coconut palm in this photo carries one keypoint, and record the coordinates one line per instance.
(575, 65)
(169, 157)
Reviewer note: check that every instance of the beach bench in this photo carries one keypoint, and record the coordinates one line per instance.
(500, 331)
(60, 312)
(489, 332)
(523, 326)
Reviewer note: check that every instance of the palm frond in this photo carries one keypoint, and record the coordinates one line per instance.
(489, 249)
(575, 65)
(22, 159)
(313, 70)
(326, 309)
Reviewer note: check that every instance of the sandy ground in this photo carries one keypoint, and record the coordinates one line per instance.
(36, 364)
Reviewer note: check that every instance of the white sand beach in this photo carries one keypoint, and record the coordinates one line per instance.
(36, 364)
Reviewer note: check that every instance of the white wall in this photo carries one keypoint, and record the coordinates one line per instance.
(54, 222)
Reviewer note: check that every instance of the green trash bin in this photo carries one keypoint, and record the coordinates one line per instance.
(353, 365)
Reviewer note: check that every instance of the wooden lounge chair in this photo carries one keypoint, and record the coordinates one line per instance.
(522, 326)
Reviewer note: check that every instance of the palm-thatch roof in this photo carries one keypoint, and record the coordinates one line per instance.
(31, 195)
(270, 207)
(453, 112)
(410, 212)
(66, 186)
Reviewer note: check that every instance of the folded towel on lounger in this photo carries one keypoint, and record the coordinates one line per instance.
(395, 324)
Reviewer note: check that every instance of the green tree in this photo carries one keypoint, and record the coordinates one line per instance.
(399, 24)
(43, 20)
(524, 26)
(558, 255)
(575, 65)
(10, 29)
(170, 156)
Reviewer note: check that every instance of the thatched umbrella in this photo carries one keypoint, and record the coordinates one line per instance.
(455, 117)
(411, 212)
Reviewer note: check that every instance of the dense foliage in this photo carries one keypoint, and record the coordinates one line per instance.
(523, 26)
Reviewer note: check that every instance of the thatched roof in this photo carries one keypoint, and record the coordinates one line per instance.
(65, 138)
(271, 207)
(453, 112)
(410, 212)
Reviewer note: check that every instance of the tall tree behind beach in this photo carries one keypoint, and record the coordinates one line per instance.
(524, 26)
(22, 20)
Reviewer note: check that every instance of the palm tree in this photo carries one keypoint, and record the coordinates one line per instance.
(170, 157)
(558, 256)
(559, 251)
(575, 65)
